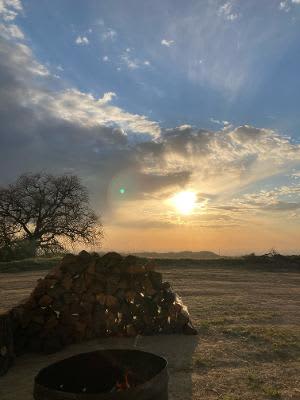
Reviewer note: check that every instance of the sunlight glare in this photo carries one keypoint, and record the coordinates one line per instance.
(185, 202)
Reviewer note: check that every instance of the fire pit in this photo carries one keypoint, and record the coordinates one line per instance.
(104, 375)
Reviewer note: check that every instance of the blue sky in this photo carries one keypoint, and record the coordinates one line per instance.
(236, 61)
(160, 98)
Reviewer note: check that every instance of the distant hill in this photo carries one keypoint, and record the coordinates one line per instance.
(195, 255)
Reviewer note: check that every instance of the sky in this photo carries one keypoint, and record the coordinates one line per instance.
(181, 118)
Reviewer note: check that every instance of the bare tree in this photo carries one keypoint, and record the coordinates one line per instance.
(46, 211)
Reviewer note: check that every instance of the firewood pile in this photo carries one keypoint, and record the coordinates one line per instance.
(89, 296)
(6, 343)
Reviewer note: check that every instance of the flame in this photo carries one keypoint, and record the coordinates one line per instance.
(125, 384)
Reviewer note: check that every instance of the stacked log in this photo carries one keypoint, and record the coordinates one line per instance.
(6, 343)
(89, 296)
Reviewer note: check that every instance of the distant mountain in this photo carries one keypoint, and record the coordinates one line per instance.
(196, 255)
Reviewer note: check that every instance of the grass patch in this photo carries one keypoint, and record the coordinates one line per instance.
(228, 397)
(204, 327)
(241, 332)
(203, 363)
(270, 343)
(254, 381)
(271, 392)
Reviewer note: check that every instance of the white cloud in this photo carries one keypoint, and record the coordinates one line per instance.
(87, 111)
(9, 9)
(279, 199)
(184, 127)
(133, 62)
(11, 31)
(130, 62)
(284, 6)
(72, 105)
(218, 166)
(228, 159)
(226, 11)
(109, 34)
(105, 59)
(167, 43)
(82, 40)
(23, 60)
(217, 121)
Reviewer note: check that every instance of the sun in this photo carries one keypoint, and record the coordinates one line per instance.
(185, 202)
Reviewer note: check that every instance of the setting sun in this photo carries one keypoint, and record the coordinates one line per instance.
(185, 202)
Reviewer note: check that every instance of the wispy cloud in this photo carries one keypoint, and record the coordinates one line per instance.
(167, 43)
(9, 9)
(226, 11)
(132, 62)
(109, 34)
(11, 31)
(82, 40)
(219, 122)
(284, 6)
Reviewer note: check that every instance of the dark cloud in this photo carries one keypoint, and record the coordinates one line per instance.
(156, 182)
(249, 133)
(32, 138)
(186, 140)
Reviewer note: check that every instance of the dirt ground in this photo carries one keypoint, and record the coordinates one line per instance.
(248, 345)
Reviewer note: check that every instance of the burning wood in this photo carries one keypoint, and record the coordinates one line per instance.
(124, 384)
(127, 381)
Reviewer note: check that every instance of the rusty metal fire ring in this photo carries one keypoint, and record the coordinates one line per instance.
(104, 375)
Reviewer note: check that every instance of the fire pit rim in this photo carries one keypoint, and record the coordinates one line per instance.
(148, 385)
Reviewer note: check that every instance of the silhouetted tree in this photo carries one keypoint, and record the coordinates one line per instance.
(44, 212)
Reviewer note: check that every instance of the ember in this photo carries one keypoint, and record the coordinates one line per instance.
(125, 383)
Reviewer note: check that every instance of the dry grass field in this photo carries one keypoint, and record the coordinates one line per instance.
(248, 345)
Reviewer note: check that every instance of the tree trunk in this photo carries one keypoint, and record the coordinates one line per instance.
(32, 247)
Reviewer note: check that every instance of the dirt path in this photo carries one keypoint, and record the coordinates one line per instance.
(248, 345)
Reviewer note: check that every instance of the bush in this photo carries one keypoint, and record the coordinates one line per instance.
(20, 249)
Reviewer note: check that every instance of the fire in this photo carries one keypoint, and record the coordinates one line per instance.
(124, 385)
